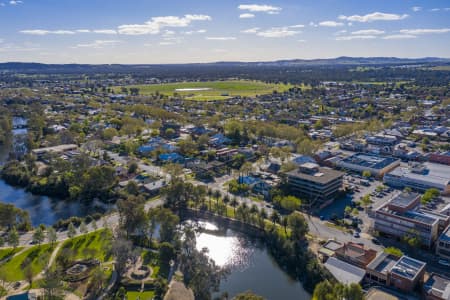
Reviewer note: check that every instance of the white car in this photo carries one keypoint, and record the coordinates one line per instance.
(444, 262)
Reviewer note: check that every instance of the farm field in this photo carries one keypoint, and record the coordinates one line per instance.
(210, 90)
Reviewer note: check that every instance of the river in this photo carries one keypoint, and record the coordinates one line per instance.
(42, 210)
(252, 267)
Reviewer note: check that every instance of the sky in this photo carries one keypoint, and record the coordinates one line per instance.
(192, 31)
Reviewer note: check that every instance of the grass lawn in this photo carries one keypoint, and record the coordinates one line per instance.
(91, 245)
(151, 259)
(132, 295)
(8, 252)
(212, 90)
(37, 256)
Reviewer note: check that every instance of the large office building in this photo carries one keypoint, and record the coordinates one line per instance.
(402, 216)
(420, 177)
(375, 164)
(319, 185)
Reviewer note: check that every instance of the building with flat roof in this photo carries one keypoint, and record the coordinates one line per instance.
(355, 254)
(440, 158)
(420, 177)
(403, 273)
(318, 184)
(407, 272)
(443, 244)
(375, 164)
(437, 287)
(402, 216)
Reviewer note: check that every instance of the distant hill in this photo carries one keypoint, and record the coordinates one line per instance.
(342, 61)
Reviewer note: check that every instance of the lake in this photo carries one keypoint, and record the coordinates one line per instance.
(252, 267)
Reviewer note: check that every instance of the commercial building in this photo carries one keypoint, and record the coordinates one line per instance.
(440, 158)
(375, 164)
(437, 287)
(403, 273)
(420, 177)
(443, 244)
(318, 184)
(402, 216)
(355, 254)
(344, 272)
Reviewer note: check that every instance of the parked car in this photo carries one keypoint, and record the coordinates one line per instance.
(375, 241)
(356, 235)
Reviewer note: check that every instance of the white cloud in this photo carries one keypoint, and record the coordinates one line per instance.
(260, 8)
(301, 41)
(376, 16)
(330, 24)
(156, 24)
(399, 37)
(251, 30)
(277, 32)
(82, 30)
(246, 16)
(416, 8)
(368, 32)
(424, 31)
(355, 37)
(297, 26)
(105, 31)
(220, 38)
(98, 44)
(200, 31)
(341, 32)
(15, 2)
(45, 32)
(166, 43)
(435, 9)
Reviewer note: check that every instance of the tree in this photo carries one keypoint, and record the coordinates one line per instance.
(348, 210)
(51, 235)
(200, 272)
(52, 284)
(28, 271)
(166, 252)
(393, 251)
(96, 282)
(71, 231)
(83, 228)
(289, 203)
(217, 195)
(122, 252)
(38, 236)
(298, 225)
(234, 203)
(412, 239)
(248, 296)
(326, 290)
(355, 212)
(132, 168)
(366, 173)
(13, 238)
(366, 201)
(275, 217)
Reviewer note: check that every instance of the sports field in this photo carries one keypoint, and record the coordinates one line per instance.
(211, 90)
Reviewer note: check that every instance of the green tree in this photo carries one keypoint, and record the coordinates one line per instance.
(38, 235)
(13, 238)
(366, 173)
(51, 235)
(71, 231)
(298, 226)
(248, 296)
(393, 251)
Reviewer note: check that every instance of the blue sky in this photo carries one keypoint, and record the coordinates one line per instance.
(180, 31)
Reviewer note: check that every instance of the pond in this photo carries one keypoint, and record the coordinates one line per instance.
(252, 267)
(42, 210)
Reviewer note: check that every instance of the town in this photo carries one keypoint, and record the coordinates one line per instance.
(347, 182)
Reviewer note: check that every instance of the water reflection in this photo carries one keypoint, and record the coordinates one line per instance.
(251, 266)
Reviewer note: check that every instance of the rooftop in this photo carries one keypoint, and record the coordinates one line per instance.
(383, 263)
(435, 173)
(445, 236)
(325, 175)
(404, 199)
(408, 267)
(345, 272)
(369, 161)
(438, 286)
